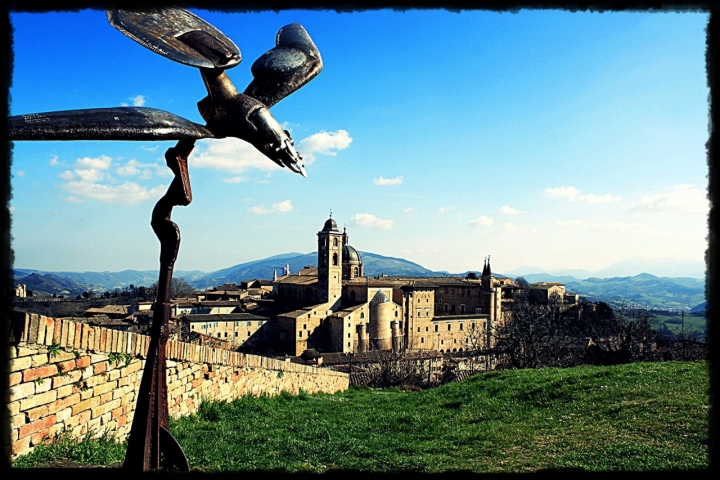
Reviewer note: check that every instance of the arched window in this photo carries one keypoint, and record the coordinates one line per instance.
(356, 272)
(335, 257)
(362, 314)
(334, 242)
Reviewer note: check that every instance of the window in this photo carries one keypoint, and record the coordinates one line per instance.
(449, 326)
(472, 326)
(248, 334)
(349, 335)
(356, 272)
(422, 339)
(478, 309)
(461, 327)
(396, 313)
(442, 342)
(334, 242)
(427, 329)
(335, 259)
(300, 334)
(349, 325)
(304, 326)
(419, 313)
(436, 327)
(446, 307)
(236, 334)
(462, 308)
(440, 301)
(418, 329)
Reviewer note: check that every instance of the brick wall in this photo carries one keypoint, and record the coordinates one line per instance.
(70, 376)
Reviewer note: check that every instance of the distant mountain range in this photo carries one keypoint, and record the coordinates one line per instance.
(643, 289)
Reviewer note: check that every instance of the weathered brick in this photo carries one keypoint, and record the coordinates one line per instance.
(105, 387)
(64, 415)
(43, 436)
(40, 338)
(113, 374)
(70, 335)
(37, 412)
(84, 335)
(67, 378)
(43, 385)
(57, 330)
(33, 427)
(17, 364)
(40, 372)
(78, 335)
(100, 367)
(67, 365)
(106, 397)
(85, 405)
(103, 340)
(62, 356)
(20, 447)
(17, 421)
(23, 390)
(83, 361)
(91, 339)
(80, 419)
(49, 328)
(86, 393)
(64, 332)
(122, 420)
(104, 408)
(14, 378)
(87, 372)
(66, 390)
(39, 359)
(12, 408)
(37, 400)
(33, 330)
(63, 403)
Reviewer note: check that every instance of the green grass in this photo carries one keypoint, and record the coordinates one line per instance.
(673, 322)
(643, 416)
(94, 449)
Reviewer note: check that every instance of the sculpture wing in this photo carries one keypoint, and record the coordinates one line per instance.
(290, 65)
(177, 34)
(122, 123)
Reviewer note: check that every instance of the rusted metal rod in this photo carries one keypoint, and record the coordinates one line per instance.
(151, 446)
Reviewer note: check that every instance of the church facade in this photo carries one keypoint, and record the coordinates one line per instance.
(336, 308)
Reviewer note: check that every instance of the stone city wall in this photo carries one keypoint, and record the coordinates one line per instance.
(69, 376)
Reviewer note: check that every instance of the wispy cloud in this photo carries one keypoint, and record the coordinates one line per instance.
(21, 173)
(233, 180)
(388, 181)
(508, 210)
(683, 199)
(481, 221)
(369, 220)
(446, 209)
(53, 161)
(281, 207)
(141, 170)
(230, 155)
(149, 149)
(83, 182)
(574, 195)
(408, 209)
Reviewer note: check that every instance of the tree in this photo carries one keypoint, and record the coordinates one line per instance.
(471, 276)
(521, 282)
(179, 288)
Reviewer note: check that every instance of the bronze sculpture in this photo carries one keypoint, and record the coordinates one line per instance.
(181, 36)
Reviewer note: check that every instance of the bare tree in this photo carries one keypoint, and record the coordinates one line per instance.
(180, 288)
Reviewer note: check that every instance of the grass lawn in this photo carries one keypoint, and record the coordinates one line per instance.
(642, 416)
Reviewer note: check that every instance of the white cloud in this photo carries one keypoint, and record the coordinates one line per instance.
(388, 181)
(326, 143)
(137, 101)
(53, 161)
(21, 173)
(369, 220)
(149, 149)
(101, 163)
(229, 155)
(282, 207)
(233, 180)
(508, 210)
(446, 209)
(134, 168)
(126, 193)
(89, 174)
(683, 199)
(12, 209)
(408, 209)
(67, 175)
(481, 221)
(510, 227)
(574, 195)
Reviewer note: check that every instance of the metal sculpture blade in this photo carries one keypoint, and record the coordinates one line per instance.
(121, 123)
(177, 34)
(287, 67)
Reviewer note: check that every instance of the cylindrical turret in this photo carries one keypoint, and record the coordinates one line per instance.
(396, 338)
(362, 338)
(381, 314)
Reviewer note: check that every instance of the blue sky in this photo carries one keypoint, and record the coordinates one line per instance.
(545, 137)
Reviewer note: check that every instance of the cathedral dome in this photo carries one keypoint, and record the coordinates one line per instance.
(330, 226)
(350, 256)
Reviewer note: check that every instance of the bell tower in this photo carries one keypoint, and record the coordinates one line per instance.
(330, 243)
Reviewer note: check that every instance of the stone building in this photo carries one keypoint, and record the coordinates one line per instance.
(334, 308)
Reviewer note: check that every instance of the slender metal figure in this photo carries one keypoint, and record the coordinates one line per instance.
(182, 36)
